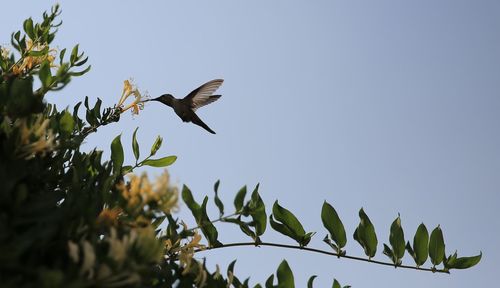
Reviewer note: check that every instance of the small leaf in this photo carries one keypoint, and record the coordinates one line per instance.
(126, 169)
(162, 162)
(269, 281)
(135, 145)
(156, 145)
(117, 154)
(45, 74)
(258, 212)
(334, 225)
(217, 200)
(397, 240)
(365, 234)
(466, 262)
(436, 246)
(67, 123)
(74, 55)
(310, 281)
(28, 27)
(80, 73)
(285, 276)
(421, 245)
(207, 227)
(289, 220)
(336, 284)
(240, 198)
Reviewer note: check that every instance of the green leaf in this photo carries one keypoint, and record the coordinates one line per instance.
(467, 262)
(269, 281)
(334, 225)
(80, 73)
(207, 227)
(285, 276)
(28, 28)
(217, 200)
(310, 281)
(289, 220)
(258, 212)
(421, 245)
(38, 53)
(117, 154)
(126, 169)
(436, 246)
(240, 198)
(162, 162)
(67, 123)
(74, 55)
(397, 240)
(365, 234)
(156, 145)
(45, 74)
(201, 217)
(336, 284)
(135, 145)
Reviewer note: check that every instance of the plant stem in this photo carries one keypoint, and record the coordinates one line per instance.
(322, 252)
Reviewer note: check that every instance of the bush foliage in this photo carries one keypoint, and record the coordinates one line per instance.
(69, 218)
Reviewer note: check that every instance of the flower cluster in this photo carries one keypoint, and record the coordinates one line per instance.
(140, 194)
(35, 56)
(34, 138)
(131, 90)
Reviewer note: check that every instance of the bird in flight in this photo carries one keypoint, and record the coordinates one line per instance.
(186, 107)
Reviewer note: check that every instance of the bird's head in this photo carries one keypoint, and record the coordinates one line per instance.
(166, 99)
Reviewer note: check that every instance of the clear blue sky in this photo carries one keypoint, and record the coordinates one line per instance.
(388, 105)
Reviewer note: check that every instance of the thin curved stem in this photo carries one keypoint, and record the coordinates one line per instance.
(323, 252)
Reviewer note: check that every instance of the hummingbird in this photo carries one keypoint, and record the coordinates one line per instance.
(186, 107)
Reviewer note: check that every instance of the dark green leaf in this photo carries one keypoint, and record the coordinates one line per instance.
(258, 212)
(466, 262)
(80, 73)
(436, 246)
(397, 240)
(117, 156)
(336, 284)
(28, 27)
(207, 227)
(310, 281)
(333, 224)
(240, 198)
(217, 200)
(289, 220)
(421, 245)
(269, 282)
(285, 276)
(365, 234)
(45, 74)
(67, 123)
(126, 169)
(162, 162)
(135, 145)
(74, 55)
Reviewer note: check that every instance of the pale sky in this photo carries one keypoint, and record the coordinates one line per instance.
(392, 106)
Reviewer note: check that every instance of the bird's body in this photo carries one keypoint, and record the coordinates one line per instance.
(185, 108)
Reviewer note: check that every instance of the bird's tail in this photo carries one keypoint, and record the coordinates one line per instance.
(196, 120)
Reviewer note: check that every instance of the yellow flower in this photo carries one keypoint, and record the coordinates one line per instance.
(109, 217)
(139, 192)
(34, 138)
(4, 52)
(30, 61)
(128, 90)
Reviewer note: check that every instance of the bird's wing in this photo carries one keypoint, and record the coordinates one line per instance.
(202, 95)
